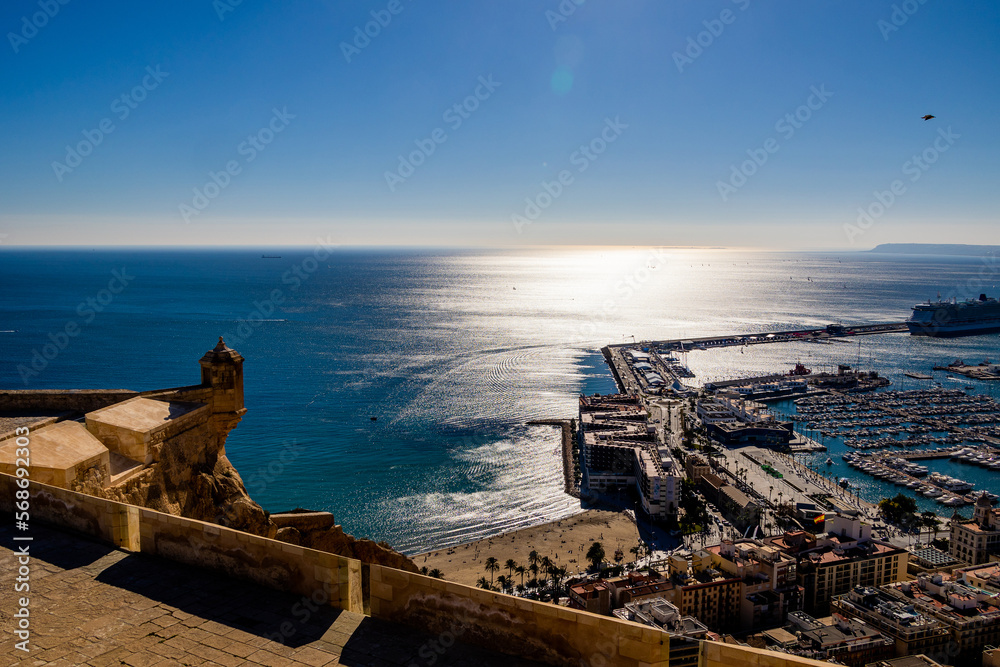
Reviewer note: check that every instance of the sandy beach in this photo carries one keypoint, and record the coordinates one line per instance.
(561, 541)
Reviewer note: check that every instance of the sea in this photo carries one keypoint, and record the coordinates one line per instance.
(393, 387)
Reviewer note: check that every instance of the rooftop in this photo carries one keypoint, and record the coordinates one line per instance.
(59, 446)
(143, 414)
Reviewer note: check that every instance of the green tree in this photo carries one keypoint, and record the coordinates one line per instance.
(595, 555)
(899, 509)
(492, 566)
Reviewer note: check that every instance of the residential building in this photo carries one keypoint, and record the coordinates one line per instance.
(848, 641)
(911, 631)
(594, 597)
(975, 541)
(970, 613)
(685, 631)
(840, 559)
(705, 592)
(695, 467)
(768, 583)
(621, 450)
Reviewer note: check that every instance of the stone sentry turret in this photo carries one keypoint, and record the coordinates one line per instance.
(222, 370)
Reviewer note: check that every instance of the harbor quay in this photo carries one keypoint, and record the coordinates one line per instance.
(748, 433)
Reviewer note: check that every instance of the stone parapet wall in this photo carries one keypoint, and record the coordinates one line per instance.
(535, 630)
(61, 400)
(720, 654)
(234, 553)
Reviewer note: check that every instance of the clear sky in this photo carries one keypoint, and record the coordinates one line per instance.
(503, 122)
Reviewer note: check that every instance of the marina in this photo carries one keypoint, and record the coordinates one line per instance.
(868, 438)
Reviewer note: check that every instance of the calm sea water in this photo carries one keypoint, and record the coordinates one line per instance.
(451, 351)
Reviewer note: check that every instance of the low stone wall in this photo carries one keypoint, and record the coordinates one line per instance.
(264, 561)
(719, 654)
(104, 519)
(61, 400)
(534, 630)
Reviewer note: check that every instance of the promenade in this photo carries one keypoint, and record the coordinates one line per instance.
(92, 604)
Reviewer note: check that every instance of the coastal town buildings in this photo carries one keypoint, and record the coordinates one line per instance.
(912, 631)
(848, 641)
(594, 597)
(969, 612)
(684, 631)
(768, 587)
(843, 557)
(696, 467)
(976, 541)
(733, 420)
(621, 450)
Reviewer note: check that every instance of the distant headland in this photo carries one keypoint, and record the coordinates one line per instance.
(936, 249)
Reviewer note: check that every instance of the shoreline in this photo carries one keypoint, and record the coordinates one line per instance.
(560, 540)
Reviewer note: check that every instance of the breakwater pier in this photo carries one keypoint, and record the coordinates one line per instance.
(654, 364)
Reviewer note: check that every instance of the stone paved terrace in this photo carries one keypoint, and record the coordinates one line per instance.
(92, 604)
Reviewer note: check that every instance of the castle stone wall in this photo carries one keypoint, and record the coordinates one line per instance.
(234, 553)
(61, 400)
(534, 630)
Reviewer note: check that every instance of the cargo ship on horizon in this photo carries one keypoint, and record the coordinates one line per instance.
(950, 319)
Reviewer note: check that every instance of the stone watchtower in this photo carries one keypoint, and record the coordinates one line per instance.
(222, 370)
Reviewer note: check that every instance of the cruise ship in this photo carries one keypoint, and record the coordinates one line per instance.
(946, 319)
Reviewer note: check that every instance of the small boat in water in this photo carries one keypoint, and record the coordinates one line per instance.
(844, 482)
(829, 461)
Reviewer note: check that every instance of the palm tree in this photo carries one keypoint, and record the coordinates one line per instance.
(929, 520)
(595, 555)
(520, 569)
(545, 563)
(553, 573)
(770, 490)
(492, 566)
(533, 557)
(482, 583)
(533, 568)
(436, 573)
(635, 552)
(511, 565)
(502, 582)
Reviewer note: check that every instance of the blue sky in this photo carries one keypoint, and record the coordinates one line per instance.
(648, 130)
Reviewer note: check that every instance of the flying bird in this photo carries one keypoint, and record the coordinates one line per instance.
(928, 117)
